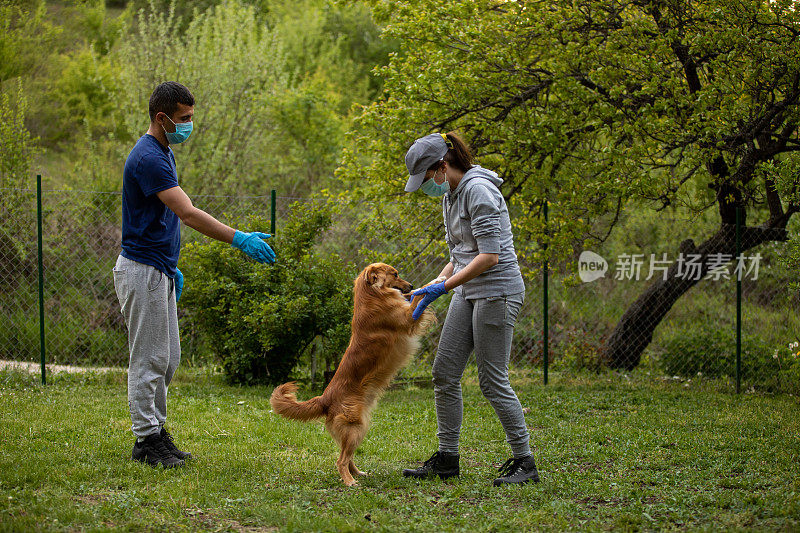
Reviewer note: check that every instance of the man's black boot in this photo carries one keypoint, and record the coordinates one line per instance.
(518, 471)
(154, 452)
(444, 465)
(170, 444)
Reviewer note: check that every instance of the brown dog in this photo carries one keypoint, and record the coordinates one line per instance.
(384, 337)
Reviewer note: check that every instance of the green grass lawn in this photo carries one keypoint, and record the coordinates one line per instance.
(615, 453)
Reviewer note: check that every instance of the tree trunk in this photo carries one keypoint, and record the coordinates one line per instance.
(634, 331)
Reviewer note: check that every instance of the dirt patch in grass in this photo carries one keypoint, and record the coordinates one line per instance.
(581, 465)
(92, 499)
(593, 502)
(206, 519)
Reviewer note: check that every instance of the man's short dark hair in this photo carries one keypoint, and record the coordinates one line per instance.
(167, 96)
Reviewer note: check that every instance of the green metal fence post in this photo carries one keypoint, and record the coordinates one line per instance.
(738, 301)
(545, 303)
(41, 273)
(273, 204)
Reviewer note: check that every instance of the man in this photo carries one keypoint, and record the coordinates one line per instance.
(146, 278)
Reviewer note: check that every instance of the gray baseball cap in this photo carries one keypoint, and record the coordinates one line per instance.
(422, 155)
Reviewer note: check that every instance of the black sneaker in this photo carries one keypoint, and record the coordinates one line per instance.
(444, 465)
(518, 471)
(154, 452)
(170, 444)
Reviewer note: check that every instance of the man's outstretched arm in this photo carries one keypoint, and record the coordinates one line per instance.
(250, 243)
(180, 204)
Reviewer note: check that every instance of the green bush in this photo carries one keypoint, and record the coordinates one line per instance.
(259, 320)
(19, 328)
(577, 347)
(83, 96)
(711, 351)
(788, 360)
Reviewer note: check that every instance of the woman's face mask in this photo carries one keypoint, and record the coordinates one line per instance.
(433, 189)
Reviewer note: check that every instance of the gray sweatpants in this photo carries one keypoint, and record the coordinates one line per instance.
(147, 300)
(485, 325)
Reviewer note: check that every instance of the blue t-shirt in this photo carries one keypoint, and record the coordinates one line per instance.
(151, 232)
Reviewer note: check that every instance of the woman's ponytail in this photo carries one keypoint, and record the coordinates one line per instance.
(458, 154)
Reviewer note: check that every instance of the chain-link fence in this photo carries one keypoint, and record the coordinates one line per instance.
(80, 241)
(662, 296)
(19, 316)
(647, 298)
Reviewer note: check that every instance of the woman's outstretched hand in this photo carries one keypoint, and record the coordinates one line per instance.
(431, 292)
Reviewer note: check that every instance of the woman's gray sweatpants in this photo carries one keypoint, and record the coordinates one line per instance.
(147, 300)
(485, 325)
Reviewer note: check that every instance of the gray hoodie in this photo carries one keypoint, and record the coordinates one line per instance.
(476, 221)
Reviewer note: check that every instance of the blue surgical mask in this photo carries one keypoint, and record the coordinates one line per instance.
(181, 133)
(433, 189)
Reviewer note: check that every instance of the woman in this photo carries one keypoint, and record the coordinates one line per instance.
(484, 276)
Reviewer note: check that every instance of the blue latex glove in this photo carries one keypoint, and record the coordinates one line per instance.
(178, 284)
(431, 292)
(252, 245)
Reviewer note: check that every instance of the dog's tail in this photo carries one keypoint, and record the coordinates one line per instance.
(284, 402)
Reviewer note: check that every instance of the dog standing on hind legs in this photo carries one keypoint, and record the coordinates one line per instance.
(383, 339)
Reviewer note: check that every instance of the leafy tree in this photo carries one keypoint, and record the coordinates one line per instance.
(183, 10)
(333, 39)
(309, 134)
(83, 98)
(329, 58)
(17, 146)
(235, 76)
(339, 42)
(58, 51)
(24, 34)
(784, 175)
(598, 106)
(91, 22)
(17, 152)
(273, 98)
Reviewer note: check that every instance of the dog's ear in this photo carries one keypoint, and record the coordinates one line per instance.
(370, 276)
(373, 277)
